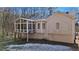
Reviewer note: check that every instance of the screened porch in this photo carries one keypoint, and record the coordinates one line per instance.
(24, 26)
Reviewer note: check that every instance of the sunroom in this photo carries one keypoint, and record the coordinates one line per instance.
(23, 25)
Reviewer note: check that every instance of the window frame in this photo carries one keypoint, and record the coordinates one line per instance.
(57, 25)
(44, 25)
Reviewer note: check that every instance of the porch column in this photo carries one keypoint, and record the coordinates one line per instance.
(32, 27)
(20, 25)
(27, 31)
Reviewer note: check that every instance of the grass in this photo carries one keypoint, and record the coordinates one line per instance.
(2, 46)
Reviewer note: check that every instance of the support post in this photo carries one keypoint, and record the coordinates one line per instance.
(15, 36)
(41, 27)
(20, 25)
(27, 32)
(32, 27)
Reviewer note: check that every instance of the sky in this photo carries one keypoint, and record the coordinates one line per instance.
(64, 9)
(61, 9)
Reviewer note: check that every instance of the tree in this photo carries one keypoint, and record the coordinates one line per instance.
(7, 21)
(51, 10)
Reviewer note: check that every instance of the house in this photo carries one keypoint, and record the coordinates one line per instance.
(57, 27)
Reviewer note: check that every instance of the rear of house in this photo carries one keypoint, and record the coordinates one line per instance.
(58, 27)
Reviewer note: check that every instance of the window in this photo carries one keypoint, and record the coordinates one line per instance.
(57, 25)
(29, 26)
(44, 26)
(17, 26)
(38, 25)
(33, 25)
(23, 27)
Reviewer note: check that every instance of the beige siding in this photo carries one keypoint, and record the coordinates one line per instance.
(65, 33)
(61, 38)
(73, 29)
(65, 24)
(41, 30)
(37, 36)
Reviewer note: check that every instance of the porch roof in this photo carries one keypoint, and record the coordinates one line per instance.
(31, 19)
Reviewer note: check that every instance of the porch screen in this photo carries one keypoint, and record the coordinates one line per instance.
(23, 28)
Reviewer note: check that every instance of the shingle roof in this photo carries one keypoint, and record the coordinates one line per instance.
(64, 14)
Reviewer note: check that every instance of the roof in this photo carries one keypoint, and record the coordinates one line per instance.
(64, 14)
(59, 14)
(31, 19)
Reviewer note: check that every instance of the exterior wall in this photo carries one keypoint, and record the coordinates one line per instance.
(73, 29)
(41, 30)
(37, 36)
(21, 35)
(61, 38)
(31, 36)
(65, 24)
(40, 33)
(66, 31)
